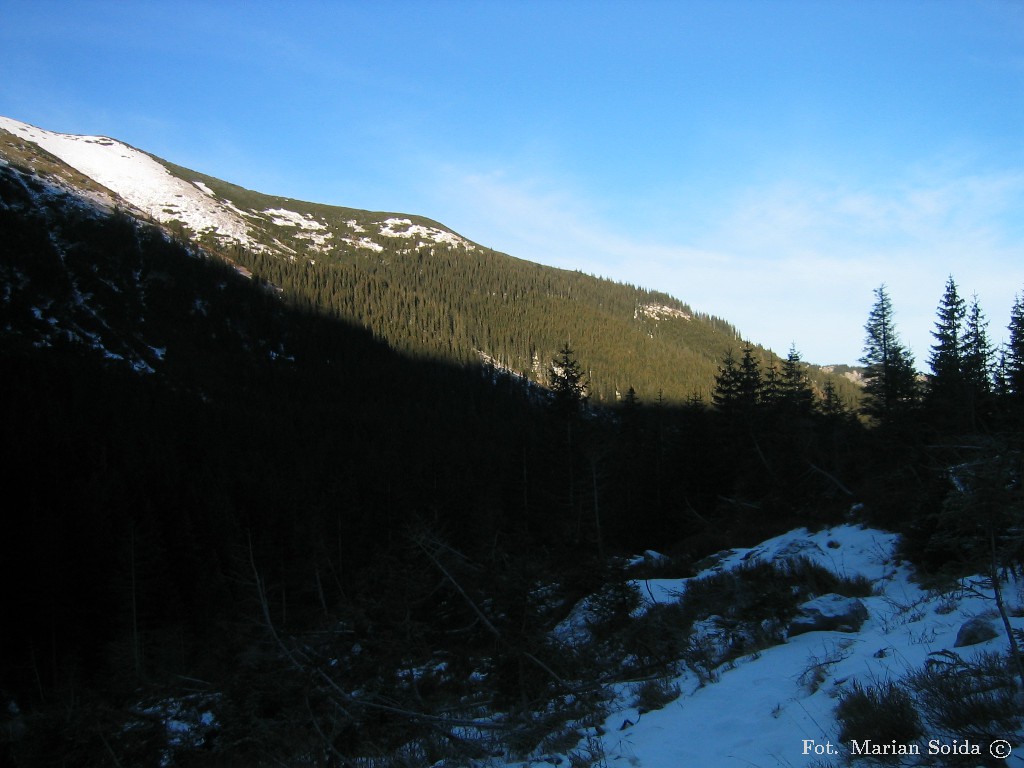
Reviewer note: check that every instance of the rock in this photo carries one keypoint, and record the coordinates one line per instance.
(796, 549)
(827, 613)
(974, 631)
(789, 550)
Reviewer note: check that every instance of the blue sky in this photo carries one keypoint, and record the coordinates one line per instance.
(771, 163)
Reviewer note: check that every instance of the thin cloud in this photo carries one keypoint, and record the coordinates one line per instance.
(825, 248)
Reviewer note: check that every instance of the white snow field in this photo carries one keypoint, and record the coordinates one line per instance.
(139, 179)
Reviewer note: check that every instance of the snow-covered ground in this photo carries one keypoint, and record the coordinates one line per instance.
(776, 707)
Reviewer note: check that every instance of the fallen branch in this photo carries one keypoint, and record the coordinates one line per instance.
(831, 477)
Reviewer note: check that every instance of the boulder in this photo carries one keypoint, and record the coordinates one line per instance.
(829, 613)
(974, 631)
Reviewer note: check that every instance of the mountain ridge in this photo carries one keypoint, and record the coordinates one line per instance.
(406, 278)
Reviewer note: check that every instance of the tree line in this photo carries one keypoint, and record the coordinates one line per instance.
(970, 384)
(947, 442)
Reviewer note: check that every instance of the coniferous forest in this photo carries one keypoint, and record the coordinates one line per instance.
(335, 549)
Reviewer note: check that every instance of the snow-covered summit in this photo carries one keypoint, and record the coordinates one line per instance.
(139, 179)
(145, 184)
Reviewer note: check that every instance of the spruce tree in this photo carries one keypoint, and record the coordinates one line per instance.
(739, 386)
(569, 399)
(795, 390)
(946, 394)
(890, 381)
(1013, 365)
(727, 383)
(568, 385)
(977, 363)
(750, 379)
(948, 351)
(831, 404)
(771, 387)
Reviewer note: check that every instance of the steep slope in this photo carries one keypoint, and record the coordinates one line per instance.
(413, 282)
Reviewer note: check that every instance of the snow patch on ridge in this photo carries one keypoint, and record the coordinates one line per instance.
(405, 228)
(139, 179)
(282, 217)
(309, 228)
(364, 242)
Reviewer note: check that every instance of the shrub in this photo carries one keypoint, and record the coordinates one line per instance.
(752, 604)
(611, 608)
(759, 591)
(819, 666)
(590, 755)
(882, 713)
(968, 699)
(657, 637)
(655, 694)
